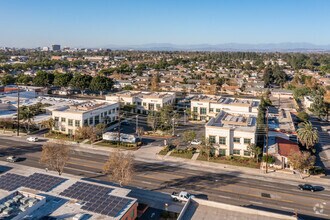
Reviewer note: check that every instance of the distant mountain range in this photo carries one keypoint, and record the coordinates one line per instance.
(271, 47)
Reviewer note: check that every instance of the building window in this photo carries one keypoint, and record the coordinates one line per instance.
(138, 103)
(237, 140)
(212, 139)
(195, 109)
(132, 214)
(247, 153)
(77, 123)
(105, 114)
(202, 111)
(63, 129)
(85, 122)
(158, 106)
(211, 109)
(217, 110)
(70, 122)
(96, 119)
(56, 119)
(101, 114)
(247, 141)
(151, 106)
(56, 128)
(222, 152)
(222, 140)
(236, 152)
(91, 120)
(195, 117)
(63, 119)
(144, 104)
(70, 132)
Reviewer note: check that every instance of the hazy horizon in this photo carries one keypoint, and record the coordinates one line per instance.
(93, 24)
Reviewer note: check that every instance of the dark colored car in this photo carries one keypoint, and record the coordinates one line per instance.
(310, 187)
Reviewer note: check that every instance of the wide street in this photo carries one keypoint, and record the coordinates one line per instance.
(161, 178)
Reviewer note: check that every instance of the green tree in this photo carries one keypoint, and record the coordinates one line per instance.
(7, 79)
(62, 79)
(43, 78)
(100, 84)
(189, 136)
(24, 79)
(303, 116)
(81, 82)
(255, 151)
(308, 135)
(26, 115)
(153, 120)
(318, 107)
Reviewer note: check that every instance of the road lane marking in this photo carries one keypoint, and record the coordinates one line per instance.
(288, 208)
(225, 197)
(260, 203)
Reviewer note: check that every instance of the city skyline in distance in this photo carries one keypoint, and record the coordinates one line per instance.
(185, 24)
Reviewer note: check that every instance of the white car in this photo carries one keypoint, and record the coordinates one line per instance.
(195, 142)
(11, 159)
(32, 139)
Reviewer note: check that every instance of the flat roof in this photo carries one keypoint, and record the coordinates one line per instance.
(144, 94)
(203, 209)
(237, 121)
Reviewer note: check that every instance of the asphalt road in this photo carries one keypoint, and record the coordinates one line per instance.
(153, 182)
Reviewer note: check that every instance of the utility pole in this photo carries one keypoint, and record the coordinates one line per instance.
(137, 124)
(184, 116)
(267, 140)
(119, 120)
(279, 100)
(173, 124)
(18, 99)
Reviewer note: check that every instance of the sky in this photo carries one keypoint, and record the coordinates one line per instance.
(99, 23)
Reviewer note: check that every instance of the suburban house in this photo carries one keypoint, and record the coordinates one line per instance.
(204, 107)
(281, 148)
(231, 133)
(69, 118)
(143, 101)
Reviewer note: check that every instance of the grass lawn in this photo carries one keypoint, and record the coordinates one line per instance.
(114, 145)
(187, 154)
(164, 151)
(236, 161)
(59, 136)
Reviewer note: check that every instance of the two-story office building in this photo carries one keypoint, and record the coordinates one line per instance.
(143, 101)
(68, 118)
(231, 133)
(204, 107)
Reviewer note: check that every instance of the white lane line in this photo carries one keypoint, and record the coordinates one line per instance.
(145, 182)
(260, 203)
(225, 197)
(287, 208)
(324, 194)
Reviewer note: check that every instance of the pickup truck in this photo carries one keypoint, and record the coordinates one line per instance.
(182, 196)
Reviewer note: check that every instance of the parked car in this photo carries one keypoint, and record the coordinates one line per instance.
(12, 159)
(310, 187)
(32, 139)
(182, 196)
(195, 142)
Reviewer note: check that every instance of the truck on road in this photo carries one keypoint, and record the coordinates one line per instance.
(181, 197)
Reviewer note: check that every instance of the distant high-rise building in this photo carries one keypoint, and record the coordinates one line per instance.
(56, 47)
(45, 49)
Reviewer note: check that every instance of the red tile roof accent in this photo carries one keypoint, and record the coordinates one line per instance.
(285, 147)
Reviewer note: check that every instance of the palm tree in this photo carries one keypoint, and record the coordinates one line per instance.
(308, 135)
(27, 115)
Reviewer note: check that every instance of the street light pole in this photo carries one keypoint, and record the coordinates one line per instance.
(184, 116)
(18, 100)
(137, 124)
(173, 123)
(267, 140)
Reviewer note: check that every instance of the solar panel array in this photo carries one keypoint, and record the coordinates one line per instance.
(11, 181)
(97, 198)
(43, 182)
(37, 181)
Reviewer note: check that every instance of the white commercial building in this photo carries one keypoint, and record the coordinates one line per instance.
(143, 101)
(230, 133)
(204, 107)
(69, 118)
